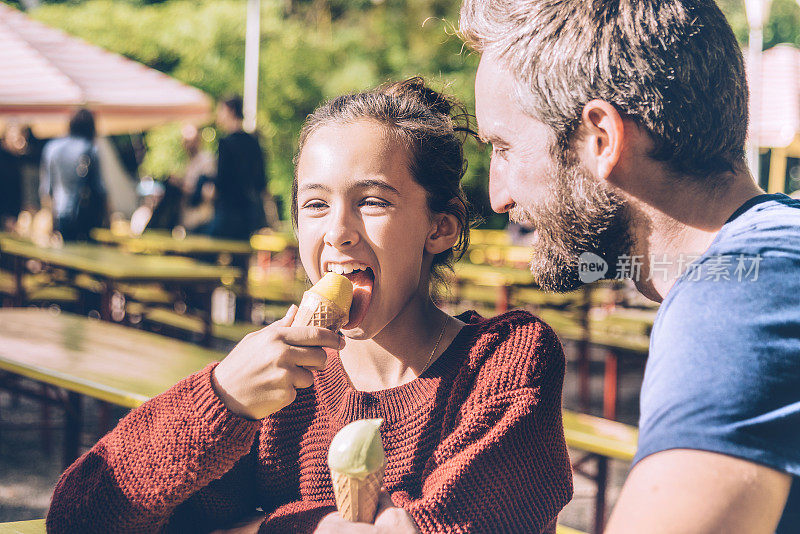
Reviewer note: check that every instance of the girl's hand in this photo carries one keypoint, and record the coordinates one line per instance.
(389, 519)
(261, 374)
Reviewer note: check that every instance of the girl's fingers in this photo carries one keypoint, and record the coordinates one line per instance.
(287, 319)
(301, 377)
(312, 336)
(310, 358)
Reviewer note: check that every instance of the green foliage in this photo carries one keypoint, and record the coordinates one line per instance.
(784, 21)
(165, 155)
(783, 25)
(310, 51)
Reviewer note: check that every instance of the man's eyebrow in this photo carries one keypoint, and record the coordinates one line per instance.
(490, 138)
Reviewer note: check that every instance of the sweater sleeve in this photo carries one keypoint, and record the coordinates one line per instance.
(505, 466)
(181, 447)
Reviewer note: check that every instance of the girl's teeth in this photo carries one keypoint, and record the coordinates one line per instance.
(345, 269)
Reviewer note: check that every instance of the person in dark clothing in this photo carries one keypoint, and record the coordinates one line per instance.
(241, 178)
(10, 186)
(29, 150)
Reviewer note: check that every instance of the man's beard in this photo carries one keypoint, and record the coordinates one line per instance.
(578, 214)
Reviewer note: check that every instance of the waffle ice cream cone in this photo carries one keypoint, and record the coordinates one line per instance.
(326, 304)
(357, 463)
(356, 499)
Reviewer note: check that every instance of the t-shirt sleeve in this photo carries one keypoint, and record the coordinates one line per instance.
(724, 363)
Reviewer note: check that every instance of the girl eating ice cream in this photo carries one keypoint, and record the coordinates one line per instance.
(471, 407)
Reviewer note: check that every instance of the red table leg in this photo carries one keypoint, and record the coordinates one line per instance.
(611, 386)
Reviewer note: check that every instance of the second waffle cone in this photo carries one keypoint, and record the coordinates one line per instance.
(357, 499)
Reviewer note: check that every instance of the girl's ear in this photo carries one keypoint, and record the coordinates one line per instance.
(444, 233)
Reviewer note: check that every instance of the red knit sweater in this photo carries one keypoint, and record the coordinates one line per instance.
(475, 444)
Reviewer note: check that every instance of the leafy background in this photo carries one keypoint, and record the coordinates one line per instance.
(311, 50)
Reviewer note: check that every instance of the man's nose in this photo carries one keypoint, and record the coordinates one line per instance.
(342, 230)
(499, 197)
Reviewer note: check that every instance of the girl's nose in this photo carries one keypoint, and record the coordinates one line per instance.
(341, 232)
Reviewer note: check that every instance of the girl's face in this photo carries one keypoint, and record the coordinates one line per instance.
(361, 214)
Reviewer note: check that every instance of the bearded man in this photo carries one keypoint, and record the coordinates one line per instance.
(618, 131)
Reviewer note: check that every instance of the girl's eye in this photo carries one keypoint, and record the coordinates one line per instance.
(314, 205)
(373, 202)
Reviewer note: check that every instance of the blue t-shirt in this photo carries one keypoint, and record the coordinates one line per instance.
(723, 373)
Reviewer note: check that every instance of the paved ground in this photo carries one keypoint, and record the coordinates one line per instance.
(28, 472)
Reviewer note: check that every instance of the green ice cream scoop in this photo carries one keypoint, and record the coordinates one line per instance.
(356, 450)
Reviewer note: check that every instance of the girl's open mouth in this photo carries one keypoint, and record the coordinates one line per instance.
(363, 282)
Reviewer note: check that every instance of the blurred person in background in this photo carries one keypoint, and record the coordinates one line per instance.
(197, 181)
(10, 181)
(241, 180)
(29, 150)
(70, 181)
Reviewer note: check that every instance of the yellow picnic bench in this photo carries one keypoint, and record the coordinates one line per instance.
(163, 242)
(108, 269)
(602, 440)
(619, 334)
(75, 356)
(35, 526)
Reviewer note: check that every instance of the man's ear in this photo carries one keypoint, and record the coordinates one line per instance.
(602, 132)
(444, 233)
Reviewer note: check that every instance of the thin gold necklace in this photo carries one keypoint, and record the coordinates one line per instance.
(433, 352)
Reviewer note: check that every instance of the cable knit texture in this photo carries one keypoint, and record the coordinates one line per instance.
(475, 444)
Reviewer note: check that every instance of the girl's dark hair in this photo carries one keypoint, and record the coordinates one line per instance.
(431, 126)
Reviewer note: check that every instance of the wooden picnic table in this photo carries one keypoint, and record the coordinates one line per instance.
(81, 356)
(163, 242)
(113, 267)
(126, 367)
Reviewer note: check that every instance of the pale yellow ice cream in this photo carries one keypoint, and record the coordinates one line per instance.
(356, 450)
(336, 288)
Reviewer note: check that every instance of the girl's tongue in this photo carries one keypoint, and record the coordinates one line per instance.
(363, 282)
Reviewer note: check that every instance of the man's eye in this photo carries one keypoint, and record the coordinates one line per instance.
(498, 151)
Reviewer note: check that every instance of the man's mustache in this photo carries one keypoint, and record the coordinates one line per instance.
(520, 215)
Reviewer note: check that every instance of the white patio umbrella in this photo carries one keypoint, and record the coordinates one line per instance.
(776, 121)
(45, 74)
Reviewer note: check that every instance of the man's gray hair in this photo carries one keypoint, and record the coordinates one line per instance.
(673, 66)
